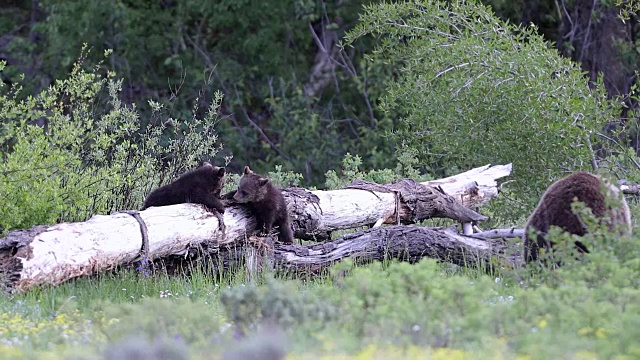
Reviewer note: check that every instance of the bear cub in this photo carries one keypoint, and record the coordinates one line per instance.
(554, 209)
(266, 202)
(199, 186)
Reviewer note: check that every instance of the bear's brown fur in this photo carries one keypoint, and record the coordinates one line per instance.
(266, 202)
(555, 209)
(198, 186)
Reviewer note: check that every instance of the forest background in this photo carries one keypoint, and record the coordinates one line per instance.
(288, 94)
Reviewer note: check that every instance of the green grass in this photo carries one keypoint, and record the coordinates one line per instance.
(588, 309)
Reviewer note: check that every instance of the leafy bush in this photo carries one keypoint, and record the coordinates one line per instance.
(587, 308)
(274, 303)
(350, 171)
(75, 150)
(474, 90)
(140, 348)
(409, 304)
(187, 319)
(285, 178)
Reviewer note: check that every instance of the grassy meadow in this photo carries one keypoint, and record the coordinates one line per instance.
(588, 309)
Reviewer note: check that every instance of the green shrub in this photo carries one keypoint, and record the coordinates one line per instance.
(350, 171)
(191, 320)
(411, 304)
(474, 90)
(139, 348)
(75, 150)
(276, 302)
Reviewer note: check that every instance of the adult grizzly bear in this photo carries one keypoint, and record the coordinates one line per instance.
(554, 209)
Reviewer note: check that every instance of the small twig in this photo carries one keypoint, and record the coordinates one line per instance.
(500, 233)
(622, 148)
(450, 69)
(264, 136)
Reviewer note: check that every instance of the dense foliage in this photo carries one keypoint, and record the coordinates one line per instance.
(292, 96)
(283, 105)
(474, 90)
(75, 150)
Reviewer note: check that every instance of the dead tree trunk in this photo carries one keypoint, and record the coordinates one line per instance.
(405, 243)
(316, 214)
(53, 254)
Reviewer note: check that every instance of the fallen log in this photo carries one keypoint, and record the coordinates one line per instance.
(54, 254)
(630, 189)
(316, 214)
(399, 242)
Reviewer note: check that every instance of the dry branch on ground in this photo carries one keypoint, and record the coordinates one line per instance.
(405, 243)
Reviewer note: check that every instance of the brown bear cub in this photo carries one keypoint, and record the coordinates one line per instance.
(266, 202)
(198, 186)
(555, 209)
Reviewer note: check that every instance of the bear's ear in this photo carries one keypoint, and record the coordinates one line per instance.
(247, 170)
(220, 171)
(263, 181)
(207, 164)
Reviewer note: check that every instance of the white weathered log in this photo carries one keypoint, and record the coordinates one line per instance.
(53, 254)
(352, 208)
(349, 208)
(630, 189)
(483, 178)
(60, 252)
